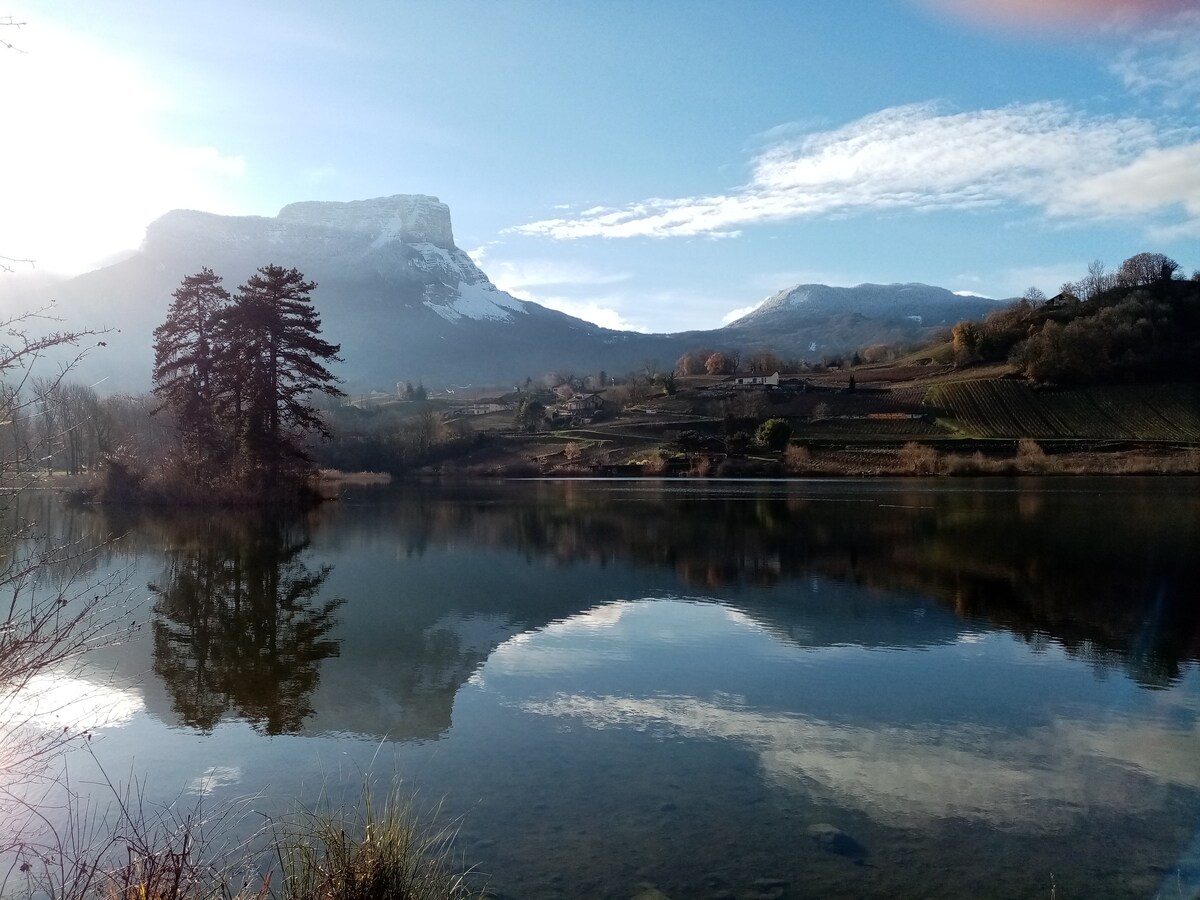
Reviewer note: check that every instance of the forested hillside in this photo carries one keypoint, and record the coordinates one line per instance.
(1141, 323)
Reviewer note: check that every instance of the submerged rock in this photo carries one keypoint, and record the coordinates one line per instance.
(831, 838)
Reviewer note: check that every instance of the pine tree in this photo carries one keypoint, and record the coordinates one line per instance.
(273, 363)
(185, 355)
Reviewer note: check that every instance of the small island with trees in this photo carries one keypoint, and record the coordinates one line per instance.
(236, 374)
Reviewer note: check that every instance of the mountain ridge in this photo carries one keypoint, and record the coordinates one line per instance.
(406, 303)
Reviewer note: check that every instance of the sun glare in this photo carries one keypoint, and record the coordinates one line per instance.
(88, 162)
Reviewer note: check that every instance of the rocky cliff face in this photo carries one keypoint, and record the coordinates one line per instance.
(411, 218)
(404, 218)
(404, 236)
(405, 240)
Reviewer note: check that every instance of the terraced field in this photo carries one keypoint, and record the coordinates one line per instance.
(1009, 408)
(882, 428)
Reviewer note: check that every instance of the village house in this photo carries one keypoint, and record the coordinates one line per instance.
(755, 380)
(580, 409)
(582, 405)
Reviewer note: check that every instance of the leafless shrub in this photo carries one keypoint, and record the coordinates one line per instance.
(919, 459)
(797, 460)
(655, 463)
(1031, 457)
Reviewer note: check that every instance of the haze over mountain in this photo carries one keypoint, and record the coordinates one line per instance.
(405, 302)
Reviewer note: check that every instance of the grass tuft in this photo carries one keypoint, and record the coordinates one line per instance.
(371, 853)
(366, 852)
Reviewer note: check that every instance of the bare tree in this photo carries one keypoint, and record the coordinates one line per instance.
(50, 612)
(1097, 281)
(1146, 268)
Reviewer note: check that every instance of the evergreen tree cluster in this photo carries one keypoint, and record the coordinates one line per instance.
(238, 374)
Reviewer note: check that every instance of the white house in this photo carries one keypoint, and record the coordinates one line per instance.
(749, 380)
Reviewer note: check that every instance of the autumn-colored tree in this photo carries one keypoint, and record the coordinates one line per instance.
(718, 364)
(965, 339)
(692, 362)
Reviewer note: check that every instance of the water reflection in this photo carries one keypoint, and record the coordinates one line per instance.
(813, 732)
(619, 683)
(240, 625)
(1107, 569)
(246, 621)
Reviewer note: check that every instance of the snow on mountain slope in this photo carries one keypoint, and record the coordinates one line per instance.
(479, 301)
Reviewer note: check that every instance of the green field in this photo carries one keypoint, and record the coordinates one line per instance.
(1009, 408)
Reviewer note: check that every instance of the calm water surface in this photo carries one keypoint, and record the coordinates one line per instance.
(987, 688)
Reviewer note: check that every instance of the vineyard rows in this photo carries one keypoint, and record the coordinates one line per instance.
(1006, 408)
(889, 427)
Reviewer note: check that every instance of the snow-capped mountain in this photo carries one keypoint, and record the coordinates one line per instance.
(393, 289)
(405, 303)
(402, 239)
(840, 318)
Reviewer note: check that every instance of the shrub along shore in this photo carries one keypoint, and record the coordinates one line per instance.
(369, 850)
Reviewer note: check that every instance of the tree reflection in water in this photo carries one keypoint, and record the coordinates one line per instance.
(1106, 568)
(238, 626)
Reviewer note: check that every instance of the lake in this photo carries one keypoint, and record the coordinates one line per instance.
(767, 689)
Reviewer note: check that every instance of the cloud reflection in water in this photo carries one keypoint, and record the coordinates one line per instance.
(1063, 761)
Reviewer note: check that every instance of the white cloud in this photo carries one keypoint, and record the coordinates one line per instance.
(87, 157)
(1165, 61)
(600, 311)
(916, 157)
(898, 774)
(1156, 179)
(734, 314)
(526, 279)
(524, 273)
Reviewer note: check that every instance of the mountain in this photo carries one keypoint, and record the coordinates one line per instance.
(393, 289)
(850, 318)
(406, 303)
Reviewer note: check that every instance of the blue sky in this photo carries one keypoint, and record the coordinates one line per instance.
(655, 165)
